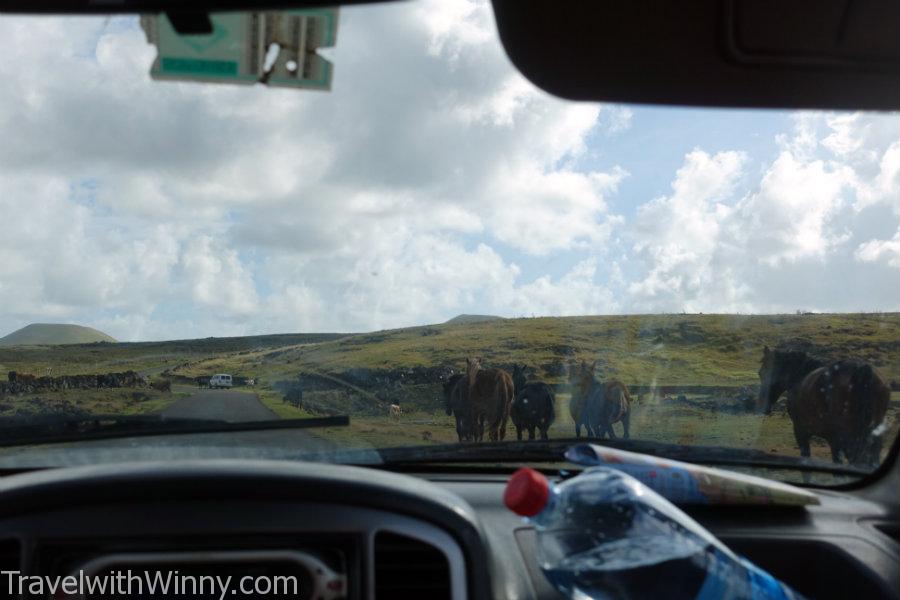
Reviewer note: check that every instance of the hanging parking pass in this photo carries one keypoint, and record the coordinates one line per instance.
(273, 48)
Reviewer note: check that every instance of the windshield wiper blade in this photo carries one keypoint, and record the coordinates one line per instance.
(544, 451)
(54, 429)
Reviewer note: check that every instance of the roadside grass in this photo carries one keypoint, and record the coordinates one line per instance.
(668, 422)
(274, 402)
(118, 401)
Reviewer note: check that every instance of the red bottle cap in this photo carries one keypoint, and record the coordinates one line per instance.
(526, 492)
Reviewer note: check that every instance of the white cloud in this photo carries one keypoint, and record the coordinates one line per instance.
(885, 187)
(502, 108)
(217, 278)
(432, 180)
(845, 137)
(575, 293)
(791, 215)
(875, 250)
(724, 241)
(455, 25)
(677, 235)
(617, 119)
(545, 211)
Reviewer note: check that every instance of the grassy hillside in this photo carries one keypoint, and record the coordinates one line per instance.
(465, 319)
(639, 349)
(713, 350)
(150, 357)
(42, 334)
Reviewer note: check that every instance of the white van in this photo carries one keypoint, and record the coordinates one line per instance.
(220, 380)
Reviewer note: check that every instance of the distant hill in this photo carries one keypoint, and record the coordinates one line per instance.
(51, 334)
(463, 319)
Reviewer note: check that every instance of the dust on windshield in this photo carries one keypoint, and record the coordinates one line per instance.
(442, 252)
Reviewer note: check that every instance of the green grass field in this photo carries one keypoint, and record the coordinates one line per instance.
(663, 422)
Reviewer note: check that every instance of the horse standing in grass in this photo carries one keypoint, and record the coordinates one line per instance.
(490, 394)
(162, 385)
(582, 413)
(456, 403)
(842, 401)
(532, 407)
(598, 405)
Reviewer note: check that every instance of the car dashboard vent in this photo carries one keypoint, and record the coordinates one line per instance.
(314, 570)
(892, 530)
(408, 568)
(10, 555)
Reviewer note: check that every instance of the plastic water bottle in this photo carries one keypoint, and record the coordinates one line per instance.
(605, 535)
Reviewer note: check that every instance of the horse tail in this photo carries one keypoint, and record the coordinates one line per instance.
(505, 395)
(575, 406)
(867, 386)
(627, 400)
(448, 400)
(594, 407)
(550, 408)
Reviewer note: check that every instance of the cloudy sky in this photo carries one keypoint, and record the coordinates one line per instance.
(432, 180)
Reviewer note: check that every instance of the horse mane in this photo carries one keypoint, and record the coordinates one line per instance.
(801, 357)
(448, 385)
(864, 380)
(805, 347)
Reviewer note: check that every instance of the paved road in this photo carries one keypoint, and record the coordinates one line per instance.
(220, 404)
(279, 444)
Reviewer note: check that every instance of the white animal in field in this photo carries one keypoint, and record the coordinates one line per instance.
(395, 412)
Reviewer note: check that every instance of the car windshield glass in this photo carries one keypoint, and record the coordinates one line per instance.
(432, 247)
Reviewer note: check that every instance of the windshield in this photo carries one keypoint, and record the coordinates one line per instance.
(438, 250)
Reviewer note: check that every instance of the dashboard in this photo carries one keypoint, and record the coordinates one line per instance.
(364, 533)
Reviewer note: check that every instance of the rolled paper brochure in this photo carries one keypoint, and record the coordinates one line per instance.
(686, 483)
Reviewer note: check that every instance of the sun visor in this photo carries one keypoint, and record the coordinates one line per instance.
(838, 54)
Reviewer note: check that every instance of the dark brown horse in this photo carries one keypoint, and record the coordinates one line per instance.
(162, 385)
(533, 406)
(598, 405)
(843, 402)
(490, 396)
(582, 413)
(21, 378)
(456, 403)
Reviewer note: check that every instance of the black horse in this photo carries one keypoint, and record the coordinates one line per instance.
(533, 405)
(456, 402)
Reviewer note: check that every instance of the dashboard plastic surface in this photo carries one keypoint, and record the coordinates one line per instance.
(847, 546)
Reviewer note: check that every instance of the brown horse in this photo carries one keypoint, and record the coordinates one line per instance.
(843, 402)
(598, 405)
(490, 396)
(580, 386)
(456, 402)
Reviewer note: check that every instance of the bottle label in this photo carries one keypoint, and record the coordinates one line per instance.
(745, 581)
(763, 586)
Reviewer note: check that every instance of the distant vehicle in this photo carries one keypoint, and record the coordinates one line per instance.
(220, 380)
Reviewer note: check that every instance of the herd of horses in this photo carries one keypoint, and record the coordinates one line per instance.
(487, 399)
(843, 402)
